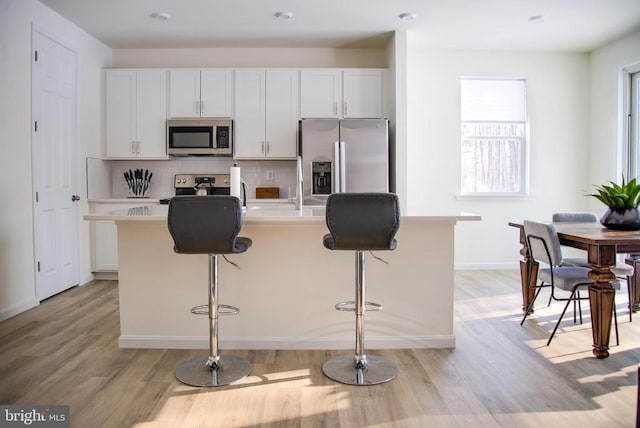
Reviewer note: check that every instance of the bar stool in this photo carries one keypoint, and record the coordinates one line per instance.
(209, 225)
(361, 222)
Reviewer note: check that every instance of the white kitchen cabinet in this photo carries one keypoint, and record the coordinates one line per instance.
(104, 239)
(321, 93)
(200, 93)
(104, 236)
(266, 114)
(136, 113)
(333, 93)
(105, 246)
(362, 93)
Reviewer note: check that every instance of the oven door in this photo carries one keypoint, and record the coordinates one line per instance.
(190, 138)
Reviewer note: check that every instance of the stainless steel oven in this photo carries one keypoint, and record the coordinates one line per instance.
(194, 184)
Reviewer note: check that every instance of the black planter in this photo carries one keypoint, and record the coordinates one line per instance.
(621, 219)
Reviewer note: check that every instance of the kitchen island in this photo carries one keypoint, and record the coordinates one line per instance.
(287, 284)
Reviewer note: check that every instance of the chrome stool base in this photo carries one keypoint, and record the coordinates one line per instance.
(196, 372)
(343, 369)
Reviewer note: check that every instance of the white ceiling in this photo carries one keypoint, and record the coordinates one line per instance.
(569, 25)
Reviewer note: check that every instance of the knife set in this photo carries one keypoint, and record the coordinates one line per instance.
(138, 182)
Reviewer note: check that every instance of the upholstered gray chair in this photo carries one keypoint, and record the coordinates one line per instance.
(544, 247)
(621, 270)
(209, 225)
(361, 222)
(575, 217)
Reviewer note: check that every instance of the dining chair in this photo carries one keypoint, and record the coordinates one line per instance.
(544, 247)
(621, 270)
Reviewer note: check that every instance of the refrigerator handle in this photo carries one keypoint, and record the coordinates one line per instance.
(336, 167)
(343, 168)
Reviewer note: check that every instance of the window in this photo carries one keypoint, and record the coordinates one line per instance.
(494, 136)
(633, 124)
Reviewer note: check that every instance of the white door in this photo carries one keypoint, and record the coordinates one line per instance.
(54, 166)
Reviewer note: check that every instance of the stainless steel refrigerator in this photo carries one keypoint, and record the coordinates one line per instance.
(348, 155)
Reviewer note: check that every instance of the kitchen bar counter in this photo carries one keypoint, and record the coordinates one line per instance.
(271, 212)
(287, 284)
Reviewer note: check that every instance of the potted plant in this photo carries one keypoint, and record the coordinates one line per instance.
(623, 201)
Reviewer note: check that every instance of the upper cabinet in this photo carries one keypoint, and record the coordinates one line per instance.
(136, 113)
(351, 93)
(362, 93)
(200, 93)
(321, 93)
(266, 113)
(265, 105)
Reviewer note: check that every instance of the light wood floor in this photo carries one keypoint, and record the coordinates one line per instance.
(499, 375)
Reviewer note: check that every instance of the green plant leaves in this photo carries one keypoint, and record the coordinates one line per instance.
(625, 195)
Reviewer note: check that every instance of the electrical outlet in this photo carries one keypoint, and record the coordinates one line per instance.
(269, 174)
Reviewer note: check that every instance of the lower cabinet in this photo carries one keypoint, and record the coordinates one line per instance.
(104, 237)
(105, 246)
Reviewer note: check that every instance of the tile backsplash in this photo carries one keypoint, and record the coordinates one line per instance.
(277, 173)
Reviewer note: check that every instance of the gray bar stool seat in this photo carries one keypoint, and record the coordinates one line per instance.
(361, 222)
(209, 225)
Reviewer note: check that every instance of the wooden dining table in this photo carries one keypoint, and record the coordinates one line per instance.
(602, 245)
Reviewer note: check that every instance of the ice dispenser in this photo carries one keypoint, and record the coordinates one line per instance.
(321, 172)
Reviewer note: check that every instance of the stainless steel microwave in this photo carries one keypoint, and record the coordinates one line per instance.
(200, 137)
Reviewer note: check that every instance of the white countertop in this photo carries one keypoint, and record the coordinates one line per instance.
(146, 200)
(261, 213)
(124, 200)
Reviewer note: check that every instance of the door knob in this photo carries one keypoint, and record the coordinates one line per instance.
(75, 198)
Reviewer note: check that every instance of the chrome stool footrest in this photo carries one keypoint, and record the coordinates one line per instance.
(351, 306)
(231, 310)
(200, 310)
(204, 310)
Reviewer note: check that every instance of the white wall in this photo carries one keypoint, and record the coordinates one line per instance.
(17, 274)
(607, 126)
(251, 57)
(397, 51)
(558, 94)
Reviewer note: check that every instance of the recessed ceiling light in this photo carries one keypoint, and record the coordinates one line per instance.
(162, 16)
(408, 16)
(283, 15)
(536, 19)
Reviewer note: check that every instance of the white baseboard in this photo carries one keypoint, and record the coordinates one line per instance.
(269, 343)
(486, 266)
(18, 309)
(108, 276)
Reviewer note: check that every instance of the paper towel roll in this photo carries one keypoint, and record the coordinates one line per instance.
(236, 181)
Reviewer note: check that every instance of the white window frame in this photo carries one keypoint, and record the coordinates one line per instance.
(630, 120)
(523, 180)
